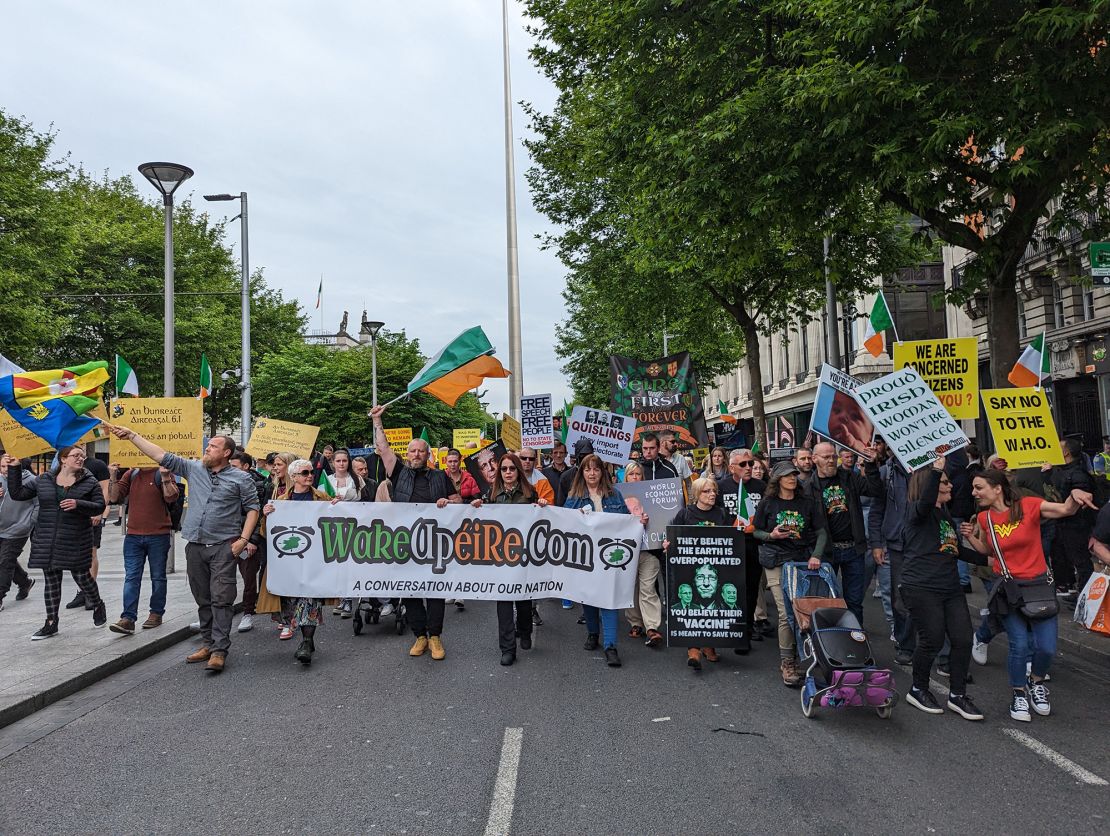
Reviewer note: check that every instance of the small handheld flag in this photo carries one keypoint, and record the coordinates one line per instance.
(1032, 366)
(205, 377)
(126, 381)
(325, 485)
(879, 321)
(722, 407)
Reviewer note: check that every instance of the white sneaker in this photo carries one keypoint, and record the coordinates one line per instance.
(1019, 707)
(246, 623)
(195, 626)
(1038, 697)
(449, 601)
(387, 609)
(979, 651)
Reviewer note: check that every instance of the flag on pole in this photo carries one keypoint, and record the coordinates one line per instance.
(722, 407)
(52, 404)
(126, 382)
(205, 377)
(877, 323)
(320, 293)
(564, 426)
(1032, 366)
(424, 436)
(325, 485)
(757, 447)
(459, 367)
(742, 506)
(7, 367)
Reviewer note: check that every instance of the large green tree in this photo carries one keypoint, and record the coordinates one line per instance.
(333, 390)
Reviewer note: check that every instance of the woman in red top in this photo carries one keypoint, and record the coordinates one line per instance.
(1017, 529)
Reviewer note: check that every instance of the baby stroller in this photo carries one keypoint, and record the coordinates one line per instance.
(369, 611)
(832, 645)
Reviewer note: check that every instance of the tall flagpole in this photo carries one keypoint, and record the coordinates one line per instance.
(516, 384)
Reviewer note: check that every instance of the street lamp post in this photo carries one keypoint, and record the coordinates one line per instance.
(245, 380)
(373, 328)
(166, 177)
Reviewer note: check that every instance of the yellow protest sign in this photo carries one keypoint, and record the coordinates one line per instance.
(1022, 426)
(699, 454)
(18, 440)
(268, 435)
(399, 439)
(949, 367)
(174, 424)
(466, 441)
(510, 433)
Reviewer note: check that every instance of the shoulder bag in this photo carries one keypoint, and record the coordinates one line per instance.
(1034, 598)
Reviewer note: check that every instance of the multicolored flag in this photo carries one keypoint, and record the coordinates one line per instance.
(459, 367)
(126, 381)
(205, 377)
(722, 407)
(1032, 366)
(52, 404)
(879, 321)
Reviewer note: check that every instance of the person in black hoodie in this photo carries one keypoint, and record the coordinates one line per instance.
(1069, 551)
(930, 588)
(741, 481)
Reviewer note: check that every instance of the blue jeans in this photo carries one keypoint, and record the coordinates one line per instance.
(137, 550)
(881, 575)
(852, 577)
(1025, 636)
(608, 624)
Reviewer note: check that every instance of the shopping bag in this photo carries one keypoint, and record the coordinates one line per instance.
(1092, 609)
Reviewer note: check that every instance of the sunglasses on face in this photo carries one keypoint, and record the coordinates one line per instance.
(508, 468)
(304, 473)
(527, 458)
(744, 464)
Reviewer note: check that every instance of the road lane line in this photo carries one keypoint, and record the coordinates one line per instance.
(1054, 757)
(504, 791)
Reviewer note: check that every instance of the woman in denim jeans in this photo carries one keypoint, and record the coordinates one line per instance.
(592, 490)
(1017, 531)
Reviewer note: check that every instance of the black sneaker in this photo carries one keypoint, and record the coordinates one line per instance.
(962, 705)
(611, 658)
(100, 615)
(944, 671)
(79, 601)
(923, 700)
(46, 631)
(903, 658)
(592, 641)
(24, 591)
(1019, 707)
(1038, 698)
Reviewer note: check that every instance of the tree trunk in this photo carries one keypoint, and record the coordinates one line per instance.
(1002, 321)
(755, 375)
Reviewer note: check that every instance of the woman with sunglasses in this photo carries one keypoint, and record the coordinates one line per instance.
(592, 489)
(511, 488)
(69, 498)
(930, 588)
(306, 613)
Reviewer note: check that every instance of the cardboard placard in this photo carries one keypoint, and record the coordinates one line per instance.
(174, 424)
(466, 441)
(610, 433)
(268, 435)
(706, 587)
(1022, 426)
(914, 424)
(537, 430)
(398, 439)
(837, 416)
(18, 440)
(949, 367)
(510, 433)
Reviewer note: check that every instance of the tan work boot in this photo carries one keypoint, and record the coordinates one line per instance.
(125, 626)
(419, 647)
(710, 654)
(152, 620)
(201, 654)
(693, 658)
(791, 677)
(438, 653)
(215, 663)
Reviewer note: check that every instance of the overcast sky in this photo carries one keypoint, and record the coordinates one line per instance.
(368, 136)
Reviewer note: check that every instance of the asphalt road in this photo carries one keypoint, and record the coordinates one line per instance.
(369, 740)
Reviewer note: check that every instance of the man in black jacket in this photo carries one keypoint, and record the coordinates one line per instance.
(1069, 551)
(836, 493)
(253, 559)
(654, 465)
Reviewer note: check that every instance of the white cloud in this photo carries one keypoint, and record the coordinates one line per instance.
(369, 137)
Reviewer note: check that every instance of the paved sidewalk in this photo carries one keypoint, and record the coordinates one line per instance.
(36, 674)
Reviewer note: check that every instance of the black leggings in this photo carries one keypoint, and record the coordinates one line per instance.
(936, 615)
(53, 590)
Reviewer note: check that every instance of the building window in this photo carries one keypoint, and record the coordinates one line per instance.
(804, 333)
(1023, 321)
(1057, 305)
(785, 345)
(915, 296)
(1088, 302)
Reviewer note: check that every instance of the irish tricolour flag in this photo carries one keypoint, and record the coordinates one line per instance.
(1032, 366)
(877, 323)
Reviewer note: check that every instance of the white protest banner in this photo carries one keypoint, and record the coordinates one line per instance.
(610, 433)
(914, 424)
(415, 550)
(536, 430)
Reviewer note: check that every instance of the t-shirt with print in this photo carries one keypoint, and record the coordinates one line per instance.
(836, 509)
(795, 515)
(728, 495)
(1020, 542)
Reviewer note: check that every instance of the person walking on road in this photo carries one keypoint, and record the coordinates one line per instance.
(17, 521)
(150, 493)
(306, 613)
(592, 490)
(932, 593)
(646, 613)
(223, 512)
(511, 488)
(252, 561)
(414, 481)
(69, 498)
(1016, 524)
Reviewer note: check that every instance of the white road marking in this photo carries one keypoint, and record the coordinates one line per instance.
(1054, 757)
(504, 791)
(661, 719)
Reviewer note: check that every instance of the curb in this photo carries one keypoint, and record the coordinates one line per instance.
(37, 702)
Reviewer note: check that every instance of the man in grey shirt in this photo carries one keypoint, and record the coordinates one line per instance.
(223, 510)
(17, 520)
